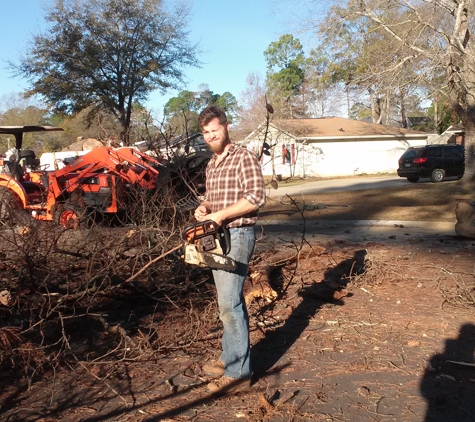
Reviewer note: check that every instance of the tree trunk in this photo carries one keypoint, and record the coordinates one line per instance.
(461, 80)
(465, 213)
(387, 106)
(436, 114)
(124, 133)
(374, 113)
(348, 105)
(403, 109)
(469, 141)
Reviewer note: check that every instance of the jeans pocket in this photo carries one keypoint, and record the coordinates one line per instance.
(242, 247)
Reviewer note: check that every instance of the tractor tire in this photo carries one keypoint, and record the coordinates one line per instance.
(438, 175)
(11, 212)
(70, 216)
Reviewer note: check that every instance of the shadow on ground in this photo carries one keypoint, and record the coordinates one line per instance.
(448, 384)
(269, 350)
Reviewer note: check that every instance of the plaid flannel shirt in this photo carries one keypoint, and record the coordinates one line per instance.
(237, 176)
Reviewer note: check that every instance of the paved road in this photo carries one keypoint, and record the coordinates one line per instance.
(356, 230)
(352, 183)
(384, 231)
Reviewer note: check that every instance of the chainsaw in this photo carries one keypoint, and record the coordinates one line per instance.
(206, 244)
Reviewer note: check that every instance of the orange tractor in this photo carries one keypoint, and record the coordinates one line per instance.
(97, 181)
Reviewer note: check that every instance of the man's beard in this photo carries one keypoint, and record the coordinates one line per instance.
(218, 148)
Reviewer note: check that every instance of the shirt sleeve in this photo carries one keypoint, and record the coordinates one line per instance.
(205, 196)
(252, 179)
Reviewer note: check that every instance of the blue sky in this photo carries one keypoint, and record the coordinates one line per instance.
(232, 34)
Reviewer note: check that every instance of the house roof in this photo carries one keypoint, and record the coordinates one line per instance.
(456, 128)
(339, 127)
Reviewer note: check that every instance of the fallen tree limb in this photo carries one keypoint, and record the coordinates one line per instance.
(291, 255)
(158, 258)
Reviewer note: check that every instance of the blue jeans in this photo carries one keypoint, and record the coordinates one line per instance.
(232, 308)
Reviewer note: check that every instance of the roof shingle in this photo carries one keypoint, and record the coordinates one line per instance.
(338, 127)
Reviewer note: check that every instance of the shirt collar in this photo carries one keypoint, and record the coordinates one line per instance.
(230, 150)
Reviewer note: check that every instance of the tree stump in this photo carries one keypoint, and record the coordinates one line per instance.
(465, 213)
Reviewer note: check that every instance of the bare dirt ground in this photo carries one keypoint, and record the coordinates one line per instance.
(422, 201)
(359, 331)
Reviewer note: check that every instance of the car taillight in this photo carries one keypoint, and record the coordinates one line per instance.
(421, 160)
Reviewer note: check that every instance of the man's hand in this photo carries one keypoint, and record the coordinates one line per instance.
(216, 217)
(201, 212)
(241, 207)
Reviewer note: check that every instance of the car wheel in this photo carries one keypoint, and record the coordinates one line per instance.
(413, 179)
(437, 175)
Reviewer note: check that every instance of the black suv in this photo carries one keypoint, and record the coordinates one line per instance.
(434, 161)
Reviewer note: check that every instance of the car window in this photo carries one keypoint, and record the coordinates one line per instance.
(434, 152)
(453, 152)
(412, 153)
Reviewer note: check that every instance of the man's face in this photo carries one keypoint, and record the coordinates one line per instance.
(216, 135)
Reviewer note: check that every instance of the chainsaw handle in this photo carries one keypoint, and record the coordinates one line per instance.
(226, 239)
(199, 230)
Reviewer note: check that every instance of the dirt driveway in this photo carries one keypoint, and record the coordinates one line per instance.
(362, 329)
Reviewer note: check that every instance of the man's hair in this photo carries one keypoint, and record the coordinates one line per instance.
(210, 113)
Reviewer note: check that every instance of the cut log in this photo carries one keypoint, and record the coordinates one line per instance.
(465, 213)
(260, 286)
(91, 143)
(84, 145)
(260, 274)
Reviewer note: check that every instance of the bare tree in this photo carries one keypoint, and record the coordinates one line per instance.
(253, 99)
(104, 54)
(439, 33)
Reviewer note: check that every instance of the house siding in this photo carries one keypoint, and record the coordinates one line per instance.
(332, 157)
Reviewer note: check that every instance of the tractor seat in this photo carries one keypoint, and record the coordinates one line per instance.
(68, 160)
(29, 158)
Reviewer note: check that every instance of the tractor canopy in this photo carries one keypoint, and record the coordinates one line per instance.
(18, 132)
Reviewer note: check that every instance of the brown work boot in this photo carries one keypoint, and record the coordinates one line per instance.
(226, 385)
(215, 368)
